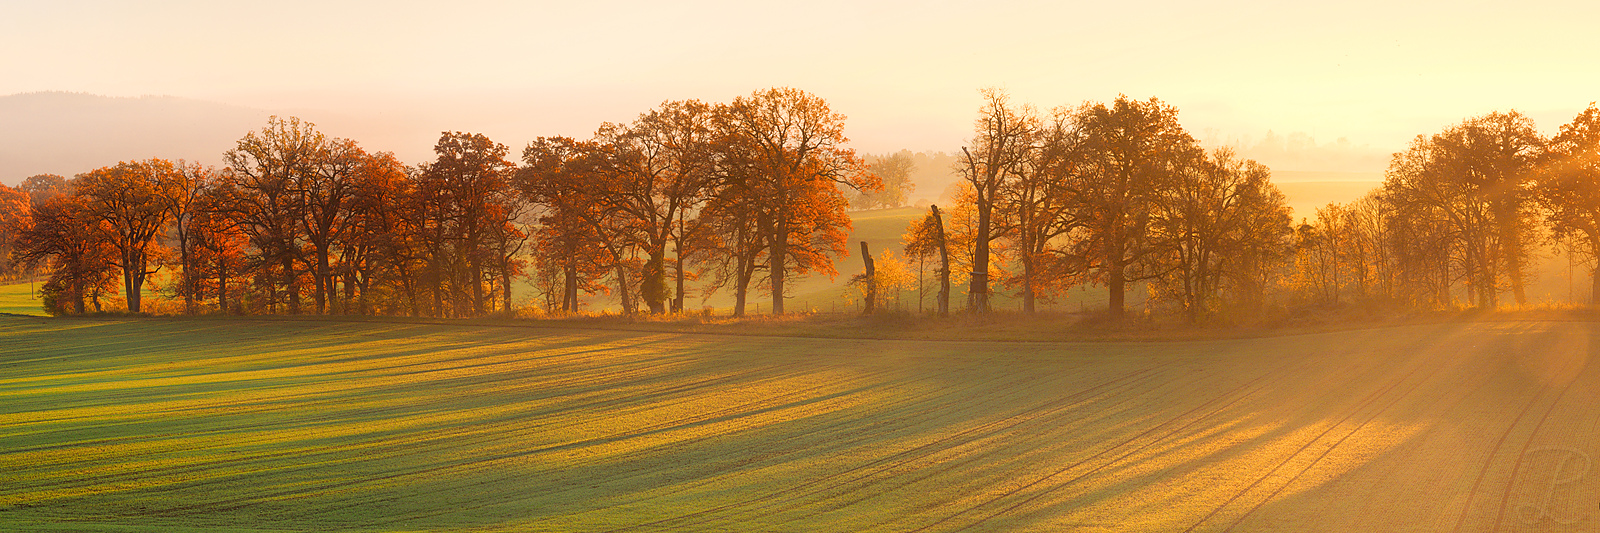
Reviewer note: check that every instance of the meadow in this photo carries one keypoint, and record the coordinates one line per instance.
(301, 425)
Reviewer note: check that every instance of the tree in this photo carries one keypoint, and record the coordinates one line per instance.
(217, 245)
(16, 216)
(385, 254)
(1133, 150)
(792, 147)
(325, 190)
(76, 245)
(1226, 222)
(131, 198)
(1003, 149)
(1475, 178)
(1039, 211)
(266, 169)
(926, 237)
(569, 244)
(188, 185)
(1569, 188)
(469, 182)
(894, 171)
(43, 187)
(663, 169)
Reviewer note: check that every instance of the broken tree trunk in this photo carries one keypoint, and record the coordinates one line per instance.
(872, 282)
(944, 263)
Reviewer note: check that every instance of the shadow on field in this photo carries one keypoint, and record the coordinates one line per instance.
(357, 426)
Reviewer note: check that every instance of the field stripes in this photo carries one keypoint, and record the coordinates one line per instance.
(161, 425)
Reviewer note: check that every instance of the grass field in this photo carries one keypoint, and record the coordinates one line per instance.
(171, 425)
(18, 299)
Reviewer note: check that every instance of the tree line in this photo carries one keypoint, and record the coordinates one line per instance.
(1462, 217)
(749, 195)
(744, 195)
(1108, 195)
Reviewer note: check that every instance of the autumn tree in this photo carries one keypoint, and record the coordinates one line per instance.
(267, 167)
(1003, 150)
(1133, 150)
(662, 170)
(189, 182)
(217, 244)
(793, 157)
(1476, 178)
(131, 199)
(738, 238)
(1569, 187)
(469, 182)
(926, 238)
(16, 215)
(894, 170)
(325, 188)
(384, 254)
(1039, 210)
(43, 187)
(568, 244)
(75, 244)
(1227, 224)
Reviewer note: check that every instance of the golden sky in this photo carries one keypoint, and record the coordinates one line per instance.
(906, 73)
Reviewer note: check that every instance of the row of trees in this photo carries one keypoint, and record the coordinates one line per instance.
(748, 195)
(1461, 216)
(1108, 194)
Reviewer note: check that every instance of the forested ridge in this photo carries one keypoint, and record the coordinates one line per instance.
(745, 197)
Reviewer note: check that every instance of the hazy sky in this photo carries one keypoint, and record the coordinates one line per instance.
(906, 73)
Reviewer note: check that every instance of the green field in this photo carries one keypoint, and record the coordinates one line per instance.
(20, 299)
(269, 425)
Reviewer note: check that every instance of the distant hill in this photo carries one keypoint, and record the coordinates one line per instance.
(69, 133)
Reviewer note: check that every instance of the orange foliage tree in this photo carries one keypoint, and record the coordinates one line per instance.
(131, 198)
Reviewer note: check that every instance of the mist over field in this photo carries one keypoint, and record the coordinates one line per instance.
(715, 265)
(69, 133)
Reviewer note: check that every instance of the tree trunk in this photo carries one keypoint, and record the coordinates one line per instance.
(130, 287)
(944, 263)
(677, 302)
(978, 290)
(1027, 282)
(1594, 286)
(622, 289)
(505, 283)
(653, 286)
(222, 283)
(186, 281)
(324, 282)
(476, 268)
(1115, 281)
(741, 287)
(780, 252)
(871, 279)
(437, 286)
(77, 296)
(291, 283)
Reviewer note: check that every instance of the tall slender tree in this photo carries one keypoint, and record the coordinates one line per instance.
(1003, 150)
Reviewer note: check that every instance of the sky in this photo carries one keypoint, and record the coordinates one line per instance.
(1355, 79)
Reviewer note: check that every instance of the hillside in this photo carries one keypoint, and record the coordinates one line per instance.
(68, 133)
